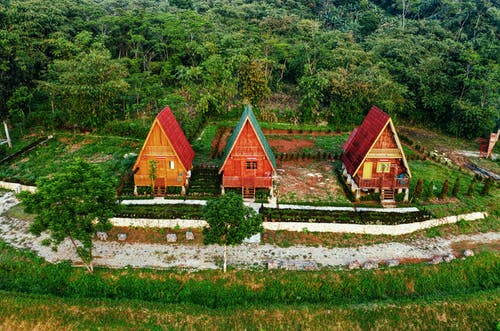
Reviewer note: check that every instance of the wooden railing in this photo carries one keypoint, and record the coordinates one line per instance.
(393, 182)
(235, 181)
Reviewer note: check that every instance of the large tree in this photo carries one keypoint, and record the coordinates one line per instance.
(84, 90)
(229, 222)
(73, 203)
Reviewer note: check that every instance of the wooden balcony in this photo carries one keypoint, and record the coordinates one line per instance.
(382, 183)
(235, 181)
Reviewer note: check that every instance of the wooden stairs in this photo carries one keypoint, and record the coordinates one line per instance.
(387, 198)
(248, 193)
(159, 191)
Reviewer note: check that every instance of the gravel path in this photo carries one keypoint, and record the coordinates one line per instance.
(116, 255)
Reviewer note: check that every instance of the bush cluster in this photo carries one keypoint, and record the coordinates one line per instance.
(135, 129)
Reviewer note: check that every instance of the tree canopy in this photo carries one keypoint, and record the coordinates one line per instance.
(85, 63)
(229, 221)
(72, 203)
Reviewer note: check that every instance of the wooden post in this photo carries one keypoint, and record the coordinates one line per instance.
(7, 134)
(407, 195)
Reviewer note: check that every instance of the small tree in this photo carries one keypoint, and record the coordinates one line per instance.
(419, 187)
(73, 203)
(472, 187)
(430, 190)
(487, 186)
(229, 222)
(153, 174)
(444, 190)
(456, 187)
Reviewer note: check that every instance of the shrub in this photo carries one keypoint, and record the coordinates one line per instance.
(456, 187)
(430, 190)
(472, 187)
(418, 190)
(444, 190)
(487, 186)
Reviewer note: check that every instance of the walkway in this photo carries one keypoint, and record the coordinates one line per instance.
(256, 206)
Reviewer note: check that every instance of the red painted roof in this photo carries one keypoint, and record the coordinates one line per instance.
(363, 138)
(176, 136)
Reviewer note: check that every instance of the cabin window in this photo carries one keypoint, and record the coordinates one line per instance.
(251, 164)
(383, 166)
(172, 165)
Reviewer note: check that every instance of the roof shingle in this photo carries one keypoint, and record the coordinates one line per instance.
(363, 138)
(176, 136)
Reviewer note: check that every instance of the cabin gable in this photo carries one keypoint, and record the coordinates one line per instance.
(168, 147)
(248, 160)
(373, 155)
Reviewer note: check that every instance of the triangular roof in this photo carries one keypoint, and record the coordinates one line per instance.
(249, 116)
(363, 138)
(172, 130)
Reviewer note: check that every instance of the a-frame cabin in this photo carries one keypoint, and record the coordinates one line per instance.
(167, 145)
(248, 161)
(373, 158)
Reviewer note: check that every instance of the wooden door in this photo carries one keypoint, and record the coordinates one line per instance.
(367, 170)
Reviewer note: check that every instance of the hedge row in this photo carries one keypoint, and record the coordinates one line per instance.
(32, 275)
(348, 217)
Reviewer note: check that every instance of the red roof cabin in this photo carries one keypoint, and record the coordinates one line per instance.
(166, 158)
(248, 162)
(373, 158)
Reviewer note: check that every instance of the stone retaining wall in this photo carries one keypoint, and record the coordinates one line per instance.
(311, 227)
(371, 229)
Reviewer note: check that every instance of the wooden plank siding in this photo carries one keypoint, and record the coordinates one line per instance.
(373, 155)
(237, 170)
(167, 145)
(248, 161)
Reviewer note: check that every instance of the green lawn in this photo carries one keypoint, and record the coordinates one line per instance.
(437, 173)
(109, 151)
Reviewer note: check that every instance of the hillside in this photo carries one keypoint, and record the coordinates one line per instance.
(83, 64)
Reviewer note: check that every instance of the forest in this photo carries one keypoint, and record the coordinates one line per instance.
(93, 65)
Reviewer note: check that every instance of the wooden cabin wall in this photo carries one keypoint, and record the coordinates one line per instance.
(386, 139)
(158, 148)
(246, 149)
(395, 169)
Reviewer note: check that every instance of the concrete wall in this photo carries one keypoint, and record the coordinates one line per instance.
(311, 227)
(17, 188)
(371, 229)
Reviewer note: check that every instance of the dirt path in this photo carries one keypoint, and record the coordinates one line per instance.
(117, 255)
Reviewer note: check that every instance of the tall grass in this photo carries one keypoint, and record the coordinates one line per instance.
(477, 311)
(22, 272)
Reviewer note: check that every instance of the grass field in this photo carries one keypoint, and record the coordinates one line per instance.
(461, 295)
(478, 311)
(64, 147)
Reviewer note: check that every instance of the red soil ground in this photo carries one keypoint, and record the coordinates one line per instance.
(290, 146)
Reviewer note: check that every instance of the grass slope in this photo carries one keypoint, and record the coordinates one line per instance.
(478, 311)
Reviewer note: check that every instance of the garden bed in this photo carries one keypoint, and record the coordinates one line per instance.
(173, 211)
(345, 217)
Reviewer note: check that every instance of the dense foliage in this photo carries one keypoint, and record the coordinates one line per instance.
(72, 203)
(69, 63)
